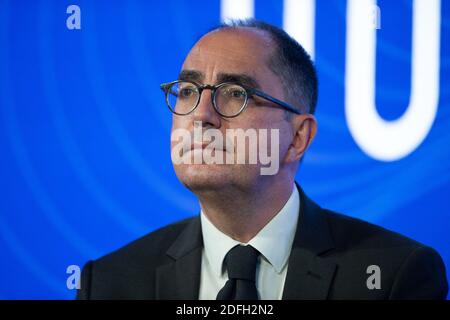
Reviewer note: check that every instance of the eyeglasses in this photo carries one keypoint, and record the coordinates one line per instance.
(228, 99)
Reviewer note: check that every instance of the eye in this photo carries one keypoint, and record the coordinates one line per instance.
(239, 94)
(186, 92)
(236, 93)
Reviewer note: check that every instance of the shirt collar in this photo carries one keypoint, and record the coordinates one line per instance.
(274, 241)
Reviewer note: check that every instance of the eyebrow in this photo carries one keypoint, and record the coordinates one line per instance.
(191, 75)
(197, 76)
(243, 79)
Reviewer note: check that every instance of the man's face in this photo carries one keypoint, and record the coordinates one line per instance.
(223, 56)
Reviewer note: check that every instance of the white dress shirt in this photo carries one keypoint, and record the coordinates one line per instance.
(274, 242)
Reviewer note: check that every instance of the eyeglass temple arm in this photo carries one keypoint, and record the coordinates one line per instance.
(275, 100)
(164, 86)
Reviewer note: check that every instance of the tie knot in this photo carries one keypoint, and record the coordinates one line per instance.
(241, 262)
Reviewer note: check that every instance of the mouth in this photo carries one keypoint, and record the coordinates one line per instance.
(202, 146)
(204, 150)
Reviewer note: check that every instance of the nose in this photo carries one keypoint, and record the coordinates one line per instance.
(205, 111)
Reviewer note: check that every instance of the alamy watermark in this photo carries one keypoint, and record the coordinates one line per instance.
(73, 280)
(374, 280)
(237, 146)
(73, 22)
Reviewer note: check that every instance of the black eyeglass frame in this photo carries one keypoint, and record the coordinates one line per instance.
(249, 91)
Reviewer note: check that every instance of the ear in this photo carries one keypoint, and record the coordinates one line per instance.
(304, 130)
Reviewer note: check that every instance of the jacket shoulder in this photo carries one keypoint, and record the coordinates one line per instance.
(153, 244)
(409, 269)
(353, 232)
(128, 272)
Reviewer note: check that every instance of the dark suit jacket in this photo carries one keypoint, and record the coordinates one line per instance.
(329, 260)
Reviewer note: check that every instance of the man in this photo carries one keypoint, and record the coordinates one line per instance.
(258, 235)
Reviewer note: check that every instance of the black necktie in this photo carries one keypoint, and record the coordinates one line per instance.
(240, 262)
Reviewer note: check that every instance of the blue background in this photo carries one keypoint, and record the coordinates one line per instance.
(84, 132)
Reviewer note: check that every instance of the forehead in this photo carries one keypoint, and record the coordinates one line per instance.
(239, 50)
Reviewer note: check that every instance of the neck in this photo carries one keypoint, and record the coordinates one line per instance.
(242, 214)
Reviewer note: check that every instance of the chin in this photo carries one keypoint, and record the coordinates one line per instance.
(203, 177)
(199, 177)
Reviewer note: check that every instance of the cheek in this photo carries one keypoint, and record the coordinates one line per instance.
(280, 133)
(278, 130)
(262, 118)
(179, 134)
(178, 122)
(285, 141)
(181, 125)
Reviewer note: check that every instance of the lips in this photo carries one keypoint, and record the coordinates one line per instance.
(197, 145)
(203, 146)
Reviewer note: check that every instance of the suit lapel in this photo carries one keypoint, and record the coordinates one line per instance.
(309, 276)
(180, 279)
